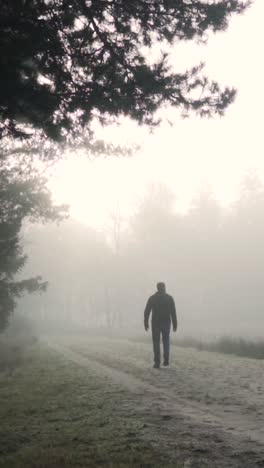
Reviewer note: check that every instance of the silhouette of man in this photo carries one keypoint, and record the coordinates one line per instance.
(163, 311)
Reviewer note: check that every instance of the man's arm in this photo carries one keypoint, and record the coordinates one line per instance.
(147, 314)
(173, 315)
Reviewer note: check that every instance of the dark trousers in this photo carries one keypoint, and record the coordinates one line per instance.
(156, 333)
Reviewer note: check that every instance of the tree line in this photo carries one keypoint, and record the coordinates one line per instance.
(210, 257)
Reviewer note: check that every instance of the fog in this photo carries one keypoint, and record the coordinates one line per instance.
(135, 221)
(210, 257)
(96, 369)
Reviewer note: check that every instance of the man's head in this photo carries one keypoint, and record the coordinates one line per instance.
(161, 287)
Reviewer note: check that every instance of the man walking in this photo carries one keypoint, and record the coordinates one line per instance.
(163, 311)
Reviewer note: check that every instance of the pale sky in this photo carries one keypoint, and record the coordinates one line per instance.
(192, 153)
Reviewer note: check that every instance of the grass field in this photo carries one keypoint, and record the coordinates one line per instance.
(91, 401)
(55, 414)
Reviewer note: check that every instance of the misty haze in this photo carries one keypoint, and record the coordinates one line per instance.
(131, 232)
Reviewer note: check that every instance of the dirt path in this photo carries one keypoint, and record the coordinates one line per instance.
(209, 405)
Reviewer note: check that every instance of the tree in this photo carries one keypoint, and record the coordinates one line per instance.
(21, 197)
(79, 268)
(64, 63)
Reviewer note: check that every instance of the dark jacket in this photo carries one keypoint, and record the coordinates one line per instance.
(163, 311)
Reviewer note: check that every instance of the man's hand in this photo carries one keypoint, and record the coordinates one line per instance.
(146, 327)
(175, 329)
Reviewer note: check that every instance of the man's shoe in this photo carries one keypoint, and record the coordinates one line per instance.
(156, 366)
(166, 363)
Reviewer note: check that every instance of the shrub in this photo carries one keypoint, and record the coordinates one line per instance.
(14, 352)
(237, 346)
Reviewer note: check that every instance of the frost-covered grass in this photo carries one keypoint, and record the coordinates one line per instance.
(56, 414)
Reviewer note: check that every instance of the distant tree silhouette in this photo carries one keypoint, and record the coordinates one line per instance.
(251, 200)
(65, 62)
